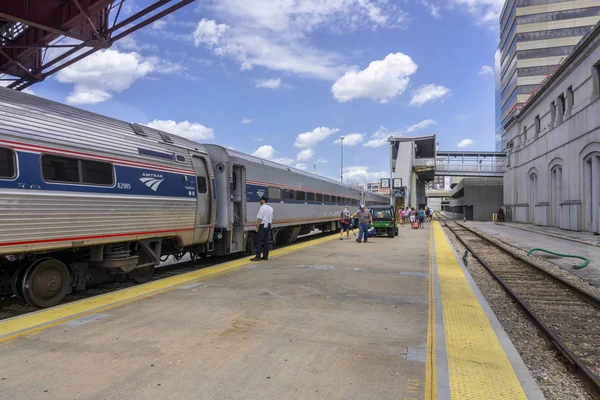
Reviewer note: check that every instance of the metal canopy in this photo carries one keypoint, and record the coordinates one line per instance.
(30, 28)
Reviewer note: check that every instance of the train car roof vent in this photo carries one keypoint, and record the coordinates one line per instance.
(138, 129)
(165, 137)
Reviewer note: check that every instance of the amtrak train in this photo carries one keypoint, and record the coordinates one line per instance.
(86, 199)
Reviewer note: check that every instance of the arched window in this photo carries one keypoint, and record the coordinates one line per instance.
(556, 197)
(533, 190)
(591, 192)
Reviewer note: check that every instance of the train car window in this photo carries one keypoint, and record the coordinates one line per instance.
(320, 197)
(234, 183)
(288, 194)
(60, 169)
(300, 195)
(202, 186)
(310, 196)
(274, 193)
(97, 173)
(326, 198)
(8, 168)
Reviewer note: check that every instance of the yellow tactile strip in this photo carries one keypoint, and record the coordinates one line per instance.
(477, 365)
(35, 322)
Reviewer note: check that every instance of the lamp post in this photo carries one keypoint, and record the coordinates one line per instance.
(342, 158)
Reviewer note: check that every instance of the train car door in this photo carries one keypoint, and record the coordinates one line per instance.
(238, 196)
(204, 199)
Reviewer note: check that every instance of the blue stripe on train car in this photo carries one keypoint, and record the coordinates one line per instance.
(128, 180)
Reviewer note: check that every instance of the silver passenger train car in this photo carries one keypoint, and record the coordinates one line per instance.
(86, 199)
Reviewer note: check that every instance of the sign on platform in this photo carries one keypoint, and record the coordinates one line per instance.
(397, 183)
(385, 183)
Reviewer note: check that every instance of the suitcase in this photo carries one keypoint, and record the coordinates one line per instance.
(416, 225)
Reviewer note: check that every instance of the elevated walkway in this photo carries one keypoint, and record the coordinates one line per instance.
(390, 319)
(470, 164)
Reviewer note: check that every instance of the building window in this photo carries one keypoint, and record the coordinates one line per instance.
(560, 111)
(537, 127)
(570, 101)
(552, 114)
(300, 195)
(524, 135)
(274, 193)
(8, 164)
(596, 78)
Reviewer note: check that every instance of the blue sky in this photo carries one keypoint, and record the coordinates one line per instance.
(283, 79)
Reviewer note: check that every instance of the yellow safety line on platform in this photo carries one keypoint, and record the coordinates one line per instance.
(478, 368)
(37, 321)
(430, 363)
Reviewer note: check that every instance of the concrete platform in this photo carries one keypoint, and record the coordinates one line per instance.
(527, 237)
(327, 319)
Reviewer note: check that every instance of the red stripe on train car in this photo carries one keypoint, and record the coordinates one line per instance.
(71, 239)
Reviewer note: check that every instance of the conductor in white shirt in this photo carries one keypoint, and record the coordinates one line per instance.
(264, 219)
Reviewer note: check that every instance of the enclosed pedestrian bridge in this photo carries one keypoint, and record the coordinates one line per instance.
(470, 163)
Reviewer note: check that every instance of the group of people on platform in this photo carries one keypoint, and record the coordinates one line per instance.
(264, 219)
(411, 216)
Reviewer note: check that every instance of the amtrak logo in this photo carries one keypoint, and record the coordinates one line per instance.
(153, 181)
(260, 193)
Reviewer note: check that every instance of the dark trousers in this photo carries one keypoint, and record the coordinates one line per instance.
(262, 247)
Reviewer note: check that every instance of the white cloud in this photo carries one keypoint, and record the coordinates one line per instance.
(305, 155)
(246, 120)
(268, 153)
(189, 130)
(301, 166)
(381, 80)
(464, 143)
(434, 10)
(269, 83)
(485, 12)
(28, 91)
(379, 138)
(259, 139)
(358, 174)
(209, 32)
(428, 93)
(309, 139)
(351, 139)
(105, 72)
(265, 151)
(421, 125)
(486, 70)
(159, 25)
(321, 161)
(275, 34)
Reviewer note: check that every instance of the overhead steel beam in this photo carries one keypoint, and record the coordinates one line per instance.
(138, 15)
(152, 19)
(18, 64)
(105, 42)
(41, 26)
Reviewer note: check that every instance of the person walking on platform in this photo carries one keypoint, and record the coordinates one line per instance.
(264, 219)
(365, 219)
(421, 215)
(412, 215)
(345, 223)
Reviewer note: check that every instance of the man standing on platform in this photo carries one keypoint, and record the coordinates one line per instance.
(264, 219)
(364, 220)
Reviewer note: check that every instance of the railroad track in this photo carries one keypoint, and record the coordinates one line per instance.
(568, 316)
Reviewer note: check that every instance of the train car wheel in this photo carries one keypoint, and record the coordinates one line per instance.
(46, 282)
(251, 244)
(142, 275)
(16, 283)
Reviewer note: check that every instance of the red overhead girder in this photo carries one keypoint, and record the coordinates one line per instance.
(29, 27)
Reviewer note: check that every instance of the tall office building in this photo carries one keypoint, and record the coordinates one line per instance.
(535, 36)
